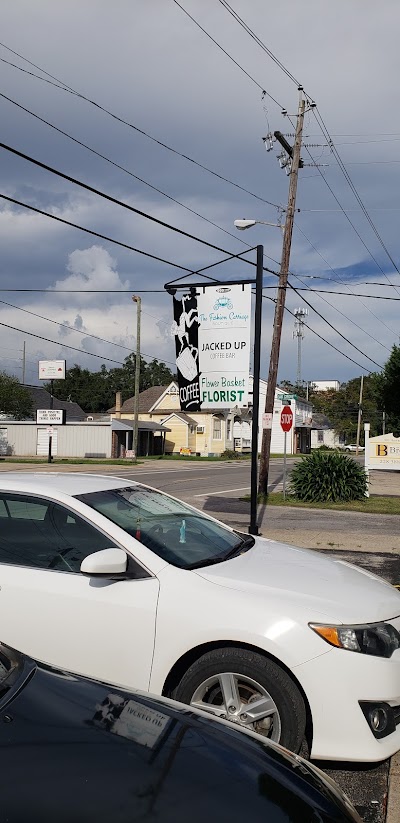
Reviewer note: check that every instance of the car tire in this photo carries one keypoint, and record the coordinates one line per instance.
(254, 678)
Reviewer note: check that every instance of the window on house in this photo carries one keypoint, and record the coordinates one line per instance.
(217, 428)
(320, 437)
(229, 429)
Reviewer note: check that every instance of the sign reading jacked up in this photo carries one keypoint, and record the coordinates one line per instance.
(212, 340)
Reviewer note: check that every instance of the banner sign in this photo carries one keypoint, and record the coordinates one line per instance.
(212, 340)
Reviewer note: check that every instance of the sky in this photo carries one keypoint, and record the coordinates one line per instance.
(147, 63)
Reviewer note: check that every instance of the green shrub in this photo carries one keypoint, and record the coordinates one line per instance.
(328, 477)
(230, 454)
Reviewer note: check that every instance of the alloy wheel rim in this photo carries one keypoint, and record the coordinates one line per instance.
(241, 700)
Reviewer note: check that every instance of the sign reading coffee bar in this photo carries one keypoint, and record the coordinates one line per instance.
(212, 341)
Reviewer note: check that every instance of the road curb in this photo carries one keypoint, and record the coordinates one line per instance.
(393, 801)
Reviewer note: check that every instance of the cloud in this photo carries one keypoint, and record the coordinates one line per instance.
(186, 93)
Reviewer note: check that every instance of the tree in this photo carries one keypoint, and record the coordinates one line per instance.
(95, 391)
(389, 384)
(15, 400)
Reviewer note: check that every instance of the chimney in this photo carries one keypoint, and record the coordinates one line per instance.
(118, 400)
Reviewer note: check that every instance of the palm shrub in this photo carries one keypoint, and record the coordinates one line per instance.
(328, 477)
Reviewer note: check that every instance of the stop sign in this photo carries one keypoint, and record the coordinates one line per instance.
(286, 418)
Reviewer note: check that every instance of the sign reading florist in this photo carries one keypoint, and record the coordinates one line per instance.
(212, 340)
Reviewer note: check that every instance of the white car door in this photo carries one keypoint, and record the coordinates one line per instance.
(49, 610)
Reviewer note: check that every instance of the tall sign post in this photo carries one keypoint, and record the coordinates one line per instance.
(286, 421)
(51, 370)
(212, 325)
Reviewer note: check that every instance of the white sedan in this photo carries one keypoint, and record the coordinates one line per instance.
(120, 582)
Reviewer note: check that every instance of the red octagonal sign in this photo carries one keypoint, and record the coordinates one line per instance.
(286, 418)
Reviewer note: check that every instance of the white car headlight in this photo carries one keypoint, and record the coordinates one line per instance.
(378, 639)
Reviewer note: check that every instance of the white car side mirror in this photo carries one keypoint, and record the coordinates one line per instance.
(106, 562)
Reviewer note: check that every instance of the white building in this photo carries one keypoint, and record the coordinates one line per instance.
(299, 437)
(325, 385)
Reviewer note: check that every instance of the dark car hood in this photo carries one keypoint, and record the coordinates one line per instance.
(82, 750)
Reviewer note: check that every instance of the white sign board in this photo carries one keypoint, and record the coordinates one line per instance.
(51, 416)
(51, 369)
(224, 345)
(382, 452)
(267, 420)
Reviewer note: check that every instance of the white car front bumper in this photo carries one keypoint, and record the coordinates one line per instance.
(335, 683)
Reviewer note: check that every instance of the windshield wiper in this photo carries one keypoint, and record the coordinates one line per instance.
(245, 544)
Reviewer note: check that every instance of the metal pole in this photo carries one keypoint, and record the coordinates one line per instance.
(280, 300)
(138, 302)
(359, 414)
(284, 466)
(366, 454)
(253, 527)
(23, 362)
(49, 455)
(383, 422)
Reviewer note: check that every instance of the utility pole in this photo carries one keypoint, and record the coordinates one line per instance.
(300, 315)
(281, 296)
(359, 414)
(138, 301)
(23, 362)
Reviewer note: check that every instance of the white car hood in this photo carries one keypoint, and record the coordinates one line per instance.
(306, 579)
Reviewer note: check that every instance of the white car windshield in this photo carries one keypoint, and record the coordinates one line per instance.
(173, 531)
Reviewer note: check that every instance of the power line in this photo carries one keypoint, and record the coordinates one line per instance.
(349, 288)
(257, 40)
(347, 177)
(95, 233)
(334, 329)
(227, 54)
(64, 87)
(181, 267)
(121, 168)
(73, 348)
(117, 202)
(327, 136)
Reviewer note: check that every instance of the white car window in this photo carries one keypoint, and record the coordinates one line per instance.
(38, 533)
(180, 535)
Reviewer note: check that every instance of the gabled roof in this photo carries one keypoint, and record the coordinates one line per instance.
(147, 399)
(41, 400)
(321, 422)
(182, 416)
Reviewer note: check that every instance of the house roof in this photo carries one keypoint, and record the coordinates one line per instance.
(321, 421)
(147, 400)
(182, 416)
(143, 425)
(41, 400)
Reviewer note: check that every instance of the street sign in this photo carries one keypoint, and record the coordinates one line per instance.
(267, 420)
(286, 419)
(286, 397)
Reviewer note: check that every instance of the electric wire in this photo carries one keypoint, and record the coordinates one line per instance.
(120, 167)
(227, 53)
(351, 292)
(74, 348)
(190, 272)
(64, 87)
(327, 136)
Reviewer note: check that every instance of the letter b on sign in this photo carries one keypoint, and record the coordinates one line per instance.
(381, 450)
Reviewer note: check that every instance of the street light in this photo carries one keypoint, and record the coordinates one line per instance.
(247, 224)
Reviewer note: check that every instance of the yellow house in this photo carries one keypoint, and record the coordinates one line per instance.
(204, 433)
